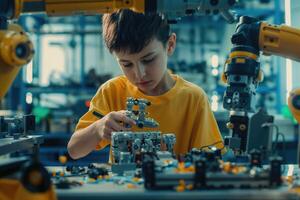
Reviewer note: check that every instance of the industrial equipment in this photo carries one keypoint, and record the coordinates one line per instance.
(242, 72)
(15, 137)
(205, 170)
(16, 50)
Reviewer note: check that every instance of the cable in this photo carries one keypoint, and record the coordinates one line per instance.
(283, 151)
(271, 125)
(275, 148)
(283, 143)
(208, 146)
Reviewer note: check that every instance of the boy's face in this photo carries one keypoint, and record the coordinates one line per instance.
(147, 68)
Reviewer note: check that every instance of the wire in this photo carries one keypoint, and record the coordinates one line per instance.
(271, 125)
(208, 146)
(283, 142)
(275, 148)
(283, 151)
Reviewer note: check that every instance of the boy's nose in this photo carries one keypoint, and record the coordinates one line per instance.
(140, 72)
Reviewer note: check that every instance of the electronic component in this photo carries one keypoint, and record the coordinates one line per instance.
(205, 170)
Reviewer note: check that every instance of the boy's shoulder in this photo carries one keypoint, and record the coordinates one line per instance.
(118, 82)
(190, 88)
(112, 87)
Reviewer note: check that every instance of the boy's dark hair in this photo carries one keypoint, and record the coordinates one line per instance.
(126, 30)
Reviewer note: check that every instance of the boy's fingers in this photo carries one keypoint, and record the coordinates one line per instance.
(115, 126)
(121, 116)
(107, 134)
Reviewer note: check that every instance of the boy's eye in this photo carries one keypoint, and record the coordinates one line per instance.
(148, 60)
(127, 65)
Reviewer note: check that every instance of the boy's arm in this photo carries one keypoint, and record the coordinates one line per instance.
(86, 137)
(85, 140)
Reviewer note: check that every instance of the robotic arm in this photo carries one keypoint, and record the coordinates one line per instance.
(242, 71)
(16, 49)
(177, 9)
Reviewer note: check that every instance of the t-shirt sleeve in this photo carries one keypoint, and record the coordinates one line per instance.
(99, 107)
(205, 128)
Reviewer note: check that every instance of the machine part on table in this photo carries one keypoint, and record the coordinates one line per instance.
(209, 172)
(128, 148)
(16, 127)
(260, 136)
(238, 125)
(97, 172)
(75, 170)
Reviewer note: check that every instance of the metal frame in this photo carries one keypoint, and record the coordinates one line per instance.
(10, 145)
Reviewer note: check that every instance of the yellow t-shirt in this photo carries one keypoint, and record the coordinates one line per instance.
(183, 110)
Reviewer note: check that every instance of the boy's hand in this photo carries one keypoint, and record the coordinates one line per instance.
(111, 122)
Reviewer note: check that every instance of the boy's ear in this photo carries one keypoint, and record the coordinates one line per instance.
(171, 44)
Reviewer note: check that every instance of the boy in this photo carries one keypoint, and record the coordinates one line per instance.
(142, 44)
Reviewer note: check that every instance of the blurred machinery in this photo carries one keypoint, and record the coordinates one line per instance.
(16, 127)
(177, 9)
(14, 132)
(19, 50)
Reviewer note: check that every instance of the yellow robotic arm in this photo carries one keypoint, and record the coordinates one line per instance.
(16, 49)
(280, 40)
(283, 41)
(242, 69)
(242, 72)
(177, 8)
(90, 7)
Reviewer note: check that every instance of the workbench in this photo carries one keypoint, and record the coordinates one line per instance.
(111, 190)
